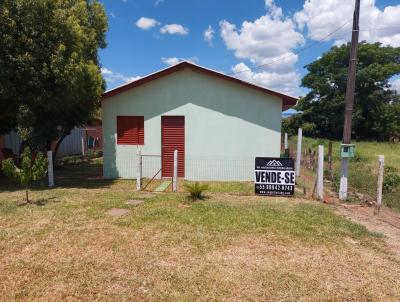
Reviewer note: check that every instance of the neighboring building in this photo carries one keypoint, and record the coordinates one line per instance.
(218, 124)
(90, 136)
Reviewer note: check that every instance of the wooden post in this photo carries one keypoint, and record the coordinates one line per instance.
(330, 161)
(175, 177)
(320, 173)
(381, 161)
(286, 146)
(50, 172)
(298, 157)
(139, 170)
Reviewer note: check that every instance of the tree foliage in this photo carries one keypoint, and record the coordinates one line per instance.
(376, 112)
(31, 169)
(50, 79)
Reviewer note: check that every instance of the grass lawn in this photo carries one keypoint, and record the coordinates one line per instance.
(230, 247)
(364, 167)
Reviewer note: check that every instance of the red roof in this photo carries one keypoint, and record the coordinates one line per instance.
(288, 100)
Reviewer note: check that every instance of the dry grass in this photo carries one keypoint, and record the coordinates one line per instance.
(226, 248)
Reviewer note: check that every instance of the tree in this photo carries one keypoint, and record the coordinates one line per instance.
(375, 102)
(32, 169)
(50, 79)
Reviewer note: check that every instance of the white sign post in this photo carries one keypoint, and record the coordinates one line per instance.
(320, 173)
(298, 157)
(175, 177)
(138, 170)
(381, 160)
(50, 172)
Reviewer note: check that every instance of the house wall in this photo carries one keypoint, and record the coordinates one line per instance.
(226, 126)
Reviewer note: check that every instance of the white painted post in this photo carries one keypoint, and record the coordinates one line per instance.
(50, 172)
(286, 145)
(82, 144)
(138, 170)
(175, 177)
(343, 179)
(298, 157)
(381, 160)
(320, 173)
(286, 141)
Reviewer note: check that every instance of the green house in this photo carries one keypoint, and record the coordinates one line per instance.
(218, 124)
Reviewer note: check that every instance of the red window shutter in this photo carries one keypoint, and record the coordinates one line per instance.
(130, 130)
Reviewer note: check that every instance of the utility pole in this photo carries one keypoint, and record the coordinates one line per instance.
(351, 80)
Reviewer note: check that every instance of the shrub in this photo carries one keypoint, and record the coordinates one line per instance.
(32, 168)
(391, 179)
(195, 190)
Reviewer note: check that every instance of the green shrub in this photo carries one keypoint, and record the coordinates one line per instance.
(31, 169)
(391, 179)
(195, 190)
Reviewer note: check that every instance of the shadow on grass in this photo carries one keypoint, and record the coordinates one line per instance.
(39, 202)
(87, 175)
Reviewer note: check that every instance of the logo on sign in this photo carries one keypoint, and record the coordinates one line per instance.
(274, 176)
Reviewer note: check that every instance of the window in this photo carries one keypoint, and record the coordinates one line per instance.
(130, 130)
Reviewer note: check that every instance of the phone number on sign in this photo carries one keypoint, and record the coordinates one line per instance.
(275, 187)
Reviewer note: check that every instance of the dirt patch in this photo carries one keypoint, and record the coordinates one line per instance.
(147, 195)
(117, 212)
(134, 202)
(386, 222)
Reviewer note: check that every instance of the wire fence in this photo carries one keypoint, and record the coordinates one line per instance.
(196, 168)
(363, 170)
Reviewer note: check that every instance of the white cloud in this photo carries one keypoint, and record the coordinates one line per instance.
(285, 82)
(112, 77)
(174, 60)
(321, 17)
(113, 15)
(268, 41)
(208, 35)
(396, 85)
(174, 29)
(157, 2)
(146, 23)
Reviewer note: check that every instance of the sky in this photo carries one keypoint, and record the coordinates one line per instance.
(262, 41)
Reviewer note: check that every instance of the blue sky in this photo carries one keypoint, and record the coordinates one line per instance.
(237, 36)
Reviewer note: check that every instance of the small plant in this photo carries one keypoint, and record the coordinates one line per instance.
(32, 169)
(195, 190)
(391, 179)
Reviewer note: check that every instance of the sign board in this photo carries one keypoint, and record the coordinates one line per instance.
(274, 176)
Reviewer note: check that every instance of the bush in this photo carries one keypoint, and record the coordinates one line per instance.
(32, 168)
(196, 190)
(391, 179)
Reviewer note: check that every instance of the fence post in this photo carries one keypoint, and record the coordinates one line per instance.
(50, 172)
(82, 144)
(286, 145)
(139, 170)
(330, 161)
(320, 173)
(381, 161)
(175, 177)
(298, 158)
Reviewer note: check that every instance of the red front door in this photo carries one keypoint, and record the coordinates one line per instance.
(172, 138)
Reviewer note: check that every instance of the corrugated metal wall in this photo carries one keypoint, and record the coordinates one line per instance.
(12, 141)
(72, 144)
